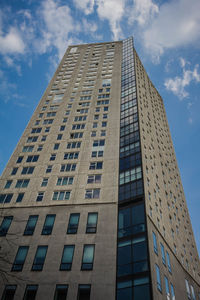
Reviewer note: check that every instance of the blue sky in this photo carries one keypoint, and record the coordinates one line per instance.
(35, 34)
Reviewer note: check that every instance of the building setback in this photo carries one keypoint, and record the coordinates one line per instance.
(92, 205)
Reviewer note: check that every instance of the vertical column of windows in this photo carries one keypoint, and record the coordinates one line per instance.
(132, 254)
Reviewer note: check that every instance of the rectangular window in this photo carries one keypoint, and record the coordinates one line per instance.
(27, 149)
(73, 223)
(36, 130)
(30, 292)
(59, 137)
(49, 169)
(39, 258)
(92, 223)
(48, 224)
(65, 180)
(32, 158)
(163, 253)
(97, 154)
(44, 182)
(47, 129)
(5, 225)
(56, 146)
(32, 139)
(22, 183)
(40, 196)
(20, 197)
(20, 258)
(94, 178)
(98, 143)
(84, 292)
(61, 292)
(31, 224)
(76, 135)
(130, 175)
(9, 292)
(193, 294)
(168, 262)
(158, 278)
(187, 289)
(73, 145)
(14, 171)
(155, 245)
(68, 168)
(92, 194)
(5, 198)
(88, 257)
(40, 147)
(167, 286)
(97, 165)
(172, 291)
(27, 170)
(67, 257)
(8, 184)
(19, 160)
(71, 155)
(62, 195)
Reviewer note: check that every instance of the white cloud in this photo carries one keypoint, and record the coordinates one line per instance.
(86, 5)
(178, 84)
(177, 24)
(112, 11)
(142, 11)
(11, 42)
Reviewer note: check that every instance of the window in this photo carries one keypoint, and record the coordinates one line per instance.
(88, 257)
(44, 182)
(172, 291)
(97, 154)
(61, 292)
(20, 258)
(20, 197)
(32, 158)
(27, 170)
(5, 198)
(130, 175)
(40, 147)
(104, 124)
(71, 155)
(40, 196)
(49, 169)
(84, 292)
(8, 184)
(59, 137)
(105, 116)
(36, 130)
(32, 139)
(97, 165)
(98, 143)
(65, 180)
(47, 129)
(22, 183)
(5, 225)
(68, 168)
(94, 178)
(27, 149)
(67, 257)
(30, 292)
(92, 223)
(63, 195)
(73, 145)
(163, 253)
(56, 146)
(187, 289)
(73, 223)
(62, 128)
(30, 226)
(78, 126)
(131, 220)
(93, 133)
(159, 287)
(19, 160)
(9, 292)
(53, 156)
(193, 294)
(103, 132)
(47, 121)
(155, 245)
(168, 262)
(167, 286)
(14, 171)
(76, 135)
(95, 125)
(48, 224)
(92, 194)
(43, 139)
(51, 114)
(39, 258)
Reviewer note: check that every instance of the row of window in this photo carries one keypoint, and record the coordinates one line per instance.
(61, 291)
(165, 258)
(72, 228)
(169, 289)
(66, 261)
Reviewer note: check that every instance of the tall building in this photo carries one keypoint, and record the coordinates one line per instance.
(92, 205)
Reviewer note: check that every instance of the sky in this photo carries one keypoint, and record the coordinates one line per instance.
(35, 34)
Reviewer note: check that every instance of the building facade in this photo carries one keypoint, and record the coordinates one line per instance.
(92, 205)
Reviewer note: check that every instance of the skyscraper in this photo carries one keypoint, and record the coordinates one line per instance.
(92, 205)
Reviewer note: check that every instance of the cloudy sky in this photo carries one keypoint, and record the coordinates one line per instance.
(35, 34)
